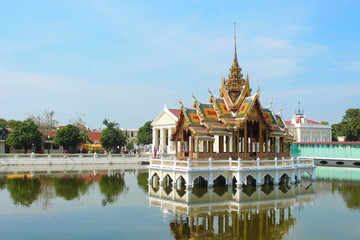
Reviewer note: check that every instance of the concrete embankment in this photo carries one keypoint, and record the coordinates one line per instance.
(40, 163)
(71, 159)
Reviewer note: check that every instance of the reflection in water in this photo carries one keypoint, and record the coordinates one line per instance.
(23, 191)
(26, 189)
(70, 187)
(2, 183)
(230, 213)
(142, 180)
(350, 193)
(111, 186)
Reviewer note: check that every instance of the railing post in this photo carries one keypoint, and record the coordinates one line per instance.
(230, 160)
(239, 163)
(210, 162)
(276, 163)
(188, 163)
(258, 162)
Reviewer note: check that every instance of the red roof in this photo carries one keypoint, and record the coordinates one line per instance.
(176, 112)
(95, 136)
(46, 133)
(288, 123)
(313, 122)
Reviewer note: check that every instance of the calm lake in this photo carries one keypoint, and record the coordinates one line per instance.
(120, 205)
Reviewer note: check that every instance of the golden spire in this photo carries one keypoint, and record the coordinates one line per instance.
(235, 63)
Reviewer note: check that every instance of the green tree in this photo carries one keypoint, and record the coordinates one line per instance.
(130, 146)
(145, 133)
(350, 125)
(24, 135)
(112, 136)
(69, 137)
(12, 123)
(3, 123)
(334, 132)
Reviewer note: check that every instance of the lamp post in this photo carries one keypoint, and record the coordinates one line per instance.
(48, 137)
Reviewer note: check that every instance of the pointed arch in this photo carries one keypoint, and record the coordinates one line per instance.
(234, 181)
(268, 179)
(220, 181)
(200, 181)
(284, 179)
(249, 180)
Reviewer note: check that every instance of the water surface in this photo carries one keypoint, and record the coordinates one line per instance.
(120, 205)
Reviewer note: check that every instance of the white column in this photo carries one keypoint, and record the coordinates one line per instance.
(321, 136)
(154, 138)
(170, 144)
(161, 143)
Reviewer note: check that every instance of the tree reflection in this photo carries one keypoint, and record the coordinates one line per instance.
(142, 181)
(70, 187)
(23, 191)
(111, 187)
(2, 183)
(350, 194)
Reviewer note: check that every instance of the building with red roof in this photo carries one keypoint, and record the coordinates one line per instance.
(306, 130)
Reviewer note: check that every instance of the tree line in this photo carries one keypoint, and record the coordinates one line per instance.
(28, 134)
(349, 127)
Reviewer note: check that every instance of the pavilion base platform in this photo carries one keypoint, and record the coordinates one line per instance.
(211, 173)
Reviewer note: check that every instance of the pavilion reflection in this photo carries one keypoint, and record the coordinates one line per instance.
(230, 213)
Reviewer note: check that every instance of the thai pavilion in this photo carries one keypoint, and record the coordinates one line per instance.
(232, 136)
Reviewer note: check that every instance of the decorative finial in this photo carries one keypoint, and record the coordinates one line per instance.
(235, 55)
(281, 110)
(235, 64)
(299, 111)
(194, 97)
(271, 103)
(210, 92)
(258, 90)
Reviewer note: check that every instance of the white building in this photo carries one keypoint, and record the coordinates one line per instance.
(163, 126)
(305, 130)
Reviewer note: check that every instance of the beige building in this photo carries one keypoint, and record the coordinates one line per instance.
(305, 130)
(163, 126)
(132, 134)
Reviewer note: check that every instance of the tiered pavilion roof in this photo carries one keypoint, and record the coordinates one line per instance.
(233, 124)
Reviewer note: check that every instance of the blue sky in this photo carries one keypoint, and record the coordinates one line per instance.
(124, 60)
